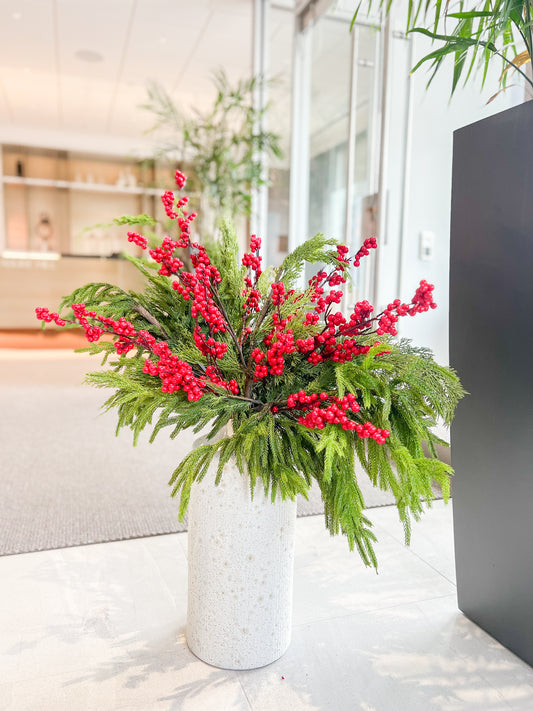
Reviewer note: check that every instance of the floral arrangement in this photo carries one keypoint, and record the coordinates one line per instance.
(306, 388)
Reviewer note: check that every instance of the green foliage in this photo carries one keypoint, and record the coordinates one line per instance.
(311, 251)
(136, 221)
(480, 33)
(223, 146)
(230, 288)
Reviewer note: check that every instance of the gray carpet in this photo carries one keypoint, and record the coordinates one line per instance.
(65, 478)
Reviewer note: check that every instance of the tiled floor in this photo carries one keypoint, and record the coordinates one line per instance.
(102, 627)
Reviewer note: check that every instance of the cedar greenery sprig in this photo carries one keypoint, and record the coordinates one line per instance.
(309, 391)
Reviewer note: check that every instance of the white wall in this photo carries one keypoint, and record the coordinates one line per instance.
(434, 118)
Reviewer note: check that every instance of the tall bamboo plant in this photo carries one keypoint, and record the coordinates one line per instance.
(475, 34)
(221, 147)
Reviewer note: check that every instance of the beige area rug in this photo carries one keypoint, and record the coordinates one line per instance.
(65, 478)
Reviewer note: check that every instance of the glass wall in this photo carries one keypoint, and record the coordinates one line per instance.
(362, 203)
(279, 60)
(331, 49)
(336, 141)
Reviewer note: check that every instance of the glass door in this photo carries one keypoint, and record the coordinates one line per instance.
(329, 125)
(335, 131)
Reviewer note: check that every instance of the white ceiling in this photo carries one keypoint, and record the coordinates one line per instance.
(48, 95)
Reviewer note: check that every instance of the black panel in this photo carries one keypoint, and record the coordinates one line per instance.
(491, 346)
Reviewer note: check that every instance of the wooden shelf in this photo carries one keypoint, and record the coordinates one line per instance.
(90, 187)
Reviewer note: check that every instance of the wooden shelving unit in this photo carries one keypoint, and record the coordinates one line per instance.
(70, 185)
(62, 202)
(56, 210)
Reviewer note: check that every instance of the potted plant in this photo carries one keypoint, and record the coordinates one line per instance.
(223, 147)
(289, 390)
(487, 31)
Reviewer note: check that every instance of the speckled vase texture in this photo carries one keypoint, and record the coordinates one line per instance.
(241, 559)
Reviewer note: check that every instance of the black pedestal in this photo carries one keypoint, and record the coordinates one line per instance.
(491, 346)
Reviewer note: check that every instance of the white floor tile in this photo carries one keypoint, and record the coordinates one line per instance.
(432, 536)
(101, 627)
(331, 581)
(390, 660)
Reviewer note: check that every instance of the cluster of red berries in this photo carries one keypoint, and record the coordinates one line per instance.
(175, 374)
(167, 198)
(251, 297)
(325, 345)
(279, 343)
(137, 239)
(188, 282)
(359, 319)
(334, 297)
(370, 431)
(421, 301)
(311, 319)
(164, 255)
(364, 250)
(92, 331)
(184, 223)
(278, 293)
(335, 278)
(180, 179)
(208, 346)
(203, 303)
(342, 251)
(386, 322)
(324, 409)
(251, 259)
(282, 346)
(314, 285)
(122, 328)
(214, 378)
(47, 316)
(302, 401)
(261, 370)
(176, 211)
(199, 283)
(347, 350)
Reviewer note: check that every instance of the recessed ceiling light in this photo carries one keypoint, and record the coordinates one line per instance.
(162, 40)
(16, 15)
(88, 55)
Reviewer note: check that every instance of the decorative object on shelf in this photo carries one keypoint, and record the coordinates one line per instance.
(44, 233)
(305, 389)
(131, 180)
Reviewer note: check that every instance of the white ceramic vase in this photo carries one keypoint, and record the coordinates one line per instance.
(240, 560)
